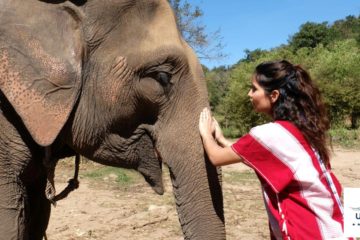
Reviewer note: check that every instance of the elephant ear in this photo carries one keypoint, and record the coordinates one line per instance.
(40, 65)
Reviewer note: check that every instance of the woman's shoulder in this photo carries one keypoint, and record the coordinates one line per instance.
(264, 127)
(274, 130)
(278, 132)
(275, 125)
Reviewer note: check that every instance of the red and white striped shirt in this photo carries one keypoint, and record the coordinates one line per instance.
(298, 198)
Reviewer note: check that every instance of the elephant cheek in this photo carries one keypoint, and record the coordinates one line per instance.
(110, 93)
(114, 86)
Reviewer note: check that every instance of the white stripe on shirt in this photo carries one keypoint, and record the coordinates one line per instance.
(293, 154)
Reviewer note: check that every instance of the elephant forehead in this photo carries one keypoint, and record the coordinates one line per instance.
(132, 29)
(161, 29)
(151, 38)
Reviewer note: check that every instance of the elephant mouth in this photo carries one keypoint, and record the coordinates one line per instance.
(149, 161)
(137, 151)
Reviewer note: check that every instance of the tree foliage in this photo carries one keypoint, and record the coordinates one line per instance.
(311, 35)
(347, 28)
(338, 73)
(331, 53)
(217, 84)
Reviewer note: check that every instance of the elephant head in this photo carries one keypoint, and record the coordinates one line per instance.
(113, 80)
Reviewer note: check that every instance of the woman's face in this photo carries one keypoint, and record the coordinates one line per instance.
(262, 102)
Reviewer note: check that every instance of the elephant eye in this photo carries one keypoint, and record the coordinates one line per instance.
(163, 78)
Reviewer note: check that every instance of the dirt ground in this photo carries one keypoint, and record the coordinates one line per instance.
(101, 209)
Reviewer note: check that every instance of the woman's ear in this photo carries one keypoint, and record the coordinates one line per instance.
(274, 95)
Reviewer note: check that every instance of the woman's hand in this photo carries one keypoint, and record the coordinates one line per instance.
(217, 132)
(206, 125)
(218, 150)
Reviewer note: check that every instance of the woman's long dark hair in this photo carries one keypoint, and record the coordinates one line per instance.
(299, 101)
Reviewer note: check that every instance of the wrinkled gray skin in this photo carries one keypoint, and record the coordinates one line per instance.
(112, 81)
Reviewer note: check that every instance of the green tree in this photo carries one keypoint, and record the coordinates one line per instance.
(312, 34)
(217, 84)
(251, 56)
(338, 72)
(347, 28)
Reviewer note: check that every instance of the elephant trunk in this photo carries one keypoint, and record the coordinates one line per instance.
(196, 182)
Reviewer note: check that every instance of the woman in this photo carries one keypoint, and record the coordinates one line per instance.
(289, 155)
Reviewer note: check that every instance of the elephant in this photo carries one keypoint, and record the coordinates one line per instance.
(110, 80)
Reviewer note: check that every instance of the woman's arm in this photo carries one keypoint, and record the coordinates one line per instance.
(217, 154)
(219, 136)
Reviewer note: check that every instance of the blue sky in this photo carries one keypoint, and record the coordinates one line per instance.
(265, 24)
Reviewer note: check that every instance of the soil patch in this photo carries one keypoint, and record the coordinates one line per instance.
(106, 208)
